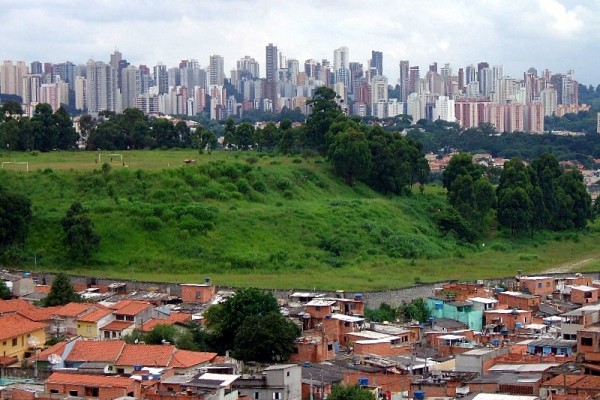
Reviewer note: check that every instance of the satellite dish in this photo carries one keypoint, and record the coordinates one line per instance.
(33, 341)
(54, 359)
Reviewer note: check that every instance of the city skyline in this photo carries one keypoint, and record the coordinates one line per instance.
(558, 35)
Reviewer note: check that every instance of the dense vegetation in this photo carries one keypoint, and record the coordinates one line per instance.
(234, 214)
(528, 197)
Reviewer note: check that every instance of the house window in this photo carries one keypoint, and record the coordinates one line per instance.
(329, 348)
(255, 395)
(539, 285)
(120, 370)
(277, 396)
(587, 341)
(106, 334)
(89, 329)
(287, 373)
(78, 326)
(547, 284)
(4, 343)
(54, 391)
(15, 342)
(318, 308)
(72, 392)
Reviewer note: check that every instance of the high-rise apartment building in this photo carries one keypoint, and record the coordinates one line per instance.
(161, 79)
(271, 62)
(341, 58)
(216, 70)
(404, 80)
(80, 93)
(248, 67)
(131, 86)
(377, 61)
(102, 91)
(414, 80)
(11, 77)
(272, 76)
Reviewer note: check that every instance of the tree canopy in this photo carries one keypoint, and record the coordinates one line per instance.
(250, 325)
(61, 292)
(80, 240)
(15, 216)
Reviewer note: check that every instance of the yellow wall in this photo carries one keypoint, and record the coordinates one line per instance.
(88, 330)
(8, 349)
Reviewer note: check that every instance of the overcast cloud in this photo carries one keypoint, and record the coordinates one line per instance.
(554, 34)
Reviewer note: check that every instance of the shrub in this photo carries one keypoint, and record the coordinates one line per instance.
(283, 184)
(259, 186)
(297, 161)
(252, 160)
(152, 223)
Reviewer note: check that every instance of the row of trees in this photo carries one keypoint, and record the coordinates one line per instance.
(45, 131)
(528, 197)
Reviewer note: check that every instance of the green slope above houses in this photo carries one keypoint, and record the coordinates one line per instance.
(270, 222)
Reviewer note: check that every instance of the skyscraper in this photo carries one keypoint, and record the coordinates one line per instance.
(98, 78)
(161, 79)
(272, 76)
(216, 70)
(377, 61)
(271, 63)
(404, 80)
(131, 86)
(341, 58)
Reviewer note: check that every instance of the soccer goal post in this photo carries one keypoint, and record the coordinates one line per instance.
(111, 156)
(20, 163)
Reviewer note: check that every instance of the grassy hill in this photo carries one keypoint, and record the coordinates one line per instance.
(249, 220)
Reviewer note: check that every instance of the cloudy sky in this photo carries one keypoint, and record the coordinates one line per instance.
(554, 34)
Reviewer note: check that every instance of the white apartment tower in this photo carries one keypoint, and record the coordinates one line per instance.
(216, 70)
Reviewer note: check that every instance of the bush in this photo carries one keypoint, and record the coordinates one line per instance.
(152, 223)
(283, 184)
(252, 160)
(297, 161)
(260, 186)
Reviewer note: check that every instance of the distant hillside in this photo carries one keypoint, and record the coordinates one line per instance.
(270, 222)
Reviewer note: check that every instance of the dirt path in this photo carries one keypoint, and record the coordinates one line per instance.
(570, 266)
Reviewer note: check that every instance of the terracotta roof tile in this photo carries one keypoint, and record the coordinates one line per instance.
(73, 309)
(173, 318)
(39, 313)
(7, 306)
(96, 350)
(89, 380)
(57, 348)
(117, 326)
(149, 355)
(130, 307)
(187, 359)
(12, 325)
(94, 315)
(43, 289)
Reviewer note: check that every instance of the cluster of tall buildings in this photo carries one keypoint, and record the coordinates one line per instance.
(473, 95)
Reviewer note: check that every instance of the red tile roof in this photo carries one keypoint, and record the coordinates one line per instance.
(148, 355)
(188, 359)
(173, 318)
(130, 307)
(43, 289)
(57, 348)
(64, 378)
(117, 326)
(13, 325)
(73, 309)
(7, 306)
(94, 315)
(96, 350)
(39, 313)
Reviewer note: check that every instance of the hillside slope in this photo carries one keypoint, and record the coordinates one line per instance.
(261, 221)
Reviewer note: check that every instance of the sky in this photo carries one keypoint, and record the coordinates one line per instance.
(559, 35)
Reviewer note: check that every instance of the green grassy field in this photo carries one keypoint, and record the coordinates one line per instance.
(254, 220)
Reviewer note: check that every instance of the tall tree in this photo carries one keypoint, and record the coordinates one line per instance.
(79, 240)
(350, 155)
(15, 215)
(61, 292)
(324, 110)
(224, 320)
